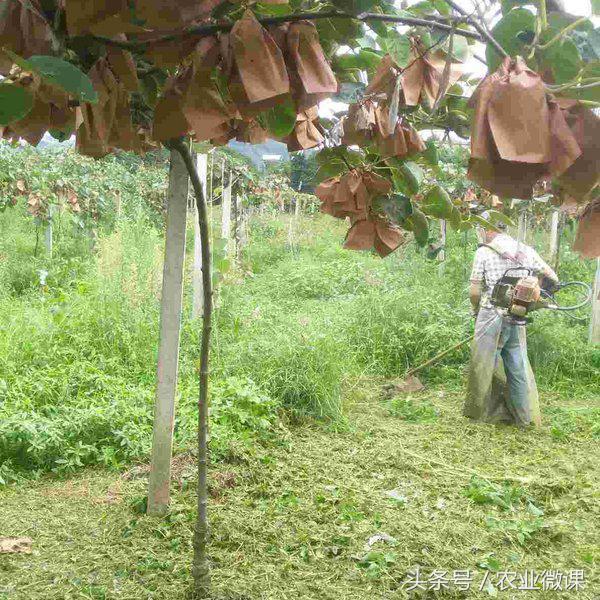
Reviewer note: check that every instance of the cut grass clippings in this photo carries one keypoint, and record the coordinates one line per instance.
(326, 515)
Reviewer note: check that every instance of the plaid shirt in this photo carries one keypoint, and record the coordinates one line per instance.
(489, 266)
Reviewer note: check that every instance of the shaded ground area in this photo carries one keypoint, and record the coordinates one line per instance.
(294, 520)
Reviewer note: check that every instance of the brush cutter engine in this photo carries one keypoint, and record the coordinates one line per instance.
(520, 294)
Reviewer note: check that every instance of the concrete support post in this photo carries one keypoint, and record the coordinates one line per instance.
(168, 348)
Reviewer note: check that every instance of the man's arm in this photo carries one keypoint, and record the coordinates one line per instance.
(475, 295)
(543, 267)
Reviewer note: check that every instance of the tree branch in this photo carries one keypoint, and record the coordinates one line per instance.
(201, 567)
(571, 86)
(543, 15)
(482, 31)
(204, 30)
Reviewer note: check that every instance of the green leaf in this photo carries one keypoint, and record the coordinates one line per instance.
(587, 43)
(340, 153)
(370, 59)
(398, 47)
(364, 60)
(460, 47)
(331, 169)
(395, 207)
(380, 28)
(596, 7)
(281, 119)
(564, 60)
(333, 161)
(338, 30)
(349, 92)
(590, 71)
(593, 39)
(430, 154)
(66, 76)
(478, 220)
(437, 203)
(442, 7)
(506, 32)
(422, 8)
(560, 20)
(368, 42)
(15, 103)
(62, 74)
(407, 175)
(355, 6)
(61, 136)
(271, 9)
(496, 216)
(413, 175)
(150, 90)
(456, 221)
(419, 225)
(534, 510)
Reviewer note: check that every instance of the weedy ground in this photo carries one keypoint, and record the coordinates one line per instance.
(294, 519)
(310, 461)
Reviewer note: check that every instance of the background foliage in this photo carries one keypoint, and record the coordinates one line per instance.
(77, 354)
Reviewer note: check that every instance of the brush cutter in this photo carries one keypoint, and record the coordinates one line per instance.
(521, 295)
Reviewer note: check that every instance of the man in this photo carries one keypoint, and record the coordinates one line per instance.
(501, 386)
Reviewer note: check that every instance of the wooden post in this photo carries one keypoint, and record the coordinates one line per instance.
(226, 214)
(168, 348)
(197, 291)
(595, 322)
(442, 252)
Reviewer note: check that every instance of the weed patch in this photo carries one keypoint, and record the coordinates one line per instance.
(413, 410)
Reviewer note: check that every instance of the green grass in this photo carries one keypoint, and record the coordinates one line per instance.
(77, 358)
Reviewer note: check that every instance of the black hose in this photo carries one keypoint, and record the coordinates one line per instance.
(583, 303)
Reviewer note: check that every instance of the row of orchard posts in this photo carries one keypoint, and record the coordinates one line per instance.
(178, 207)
